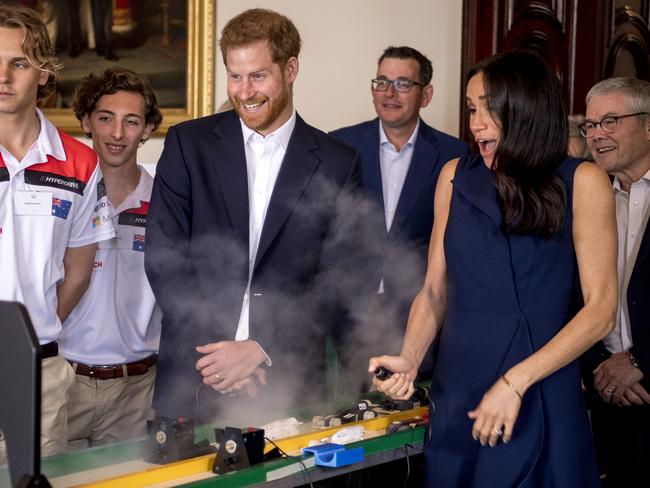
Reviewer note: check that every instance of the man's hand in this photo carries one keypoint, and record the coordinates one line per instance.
(634, 395)
(229, 366)
(249, 385)
(614, 376)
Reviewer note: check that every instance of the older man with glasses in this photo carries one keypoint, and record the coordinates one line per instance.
(401, 158)
(617, 129)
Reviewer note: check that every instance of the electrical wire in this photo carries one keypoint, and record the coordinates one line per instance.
(304, 468)
(408, 464)
(197, 403)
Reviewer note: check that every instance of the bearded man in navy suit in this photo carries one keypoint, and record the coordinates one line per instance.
(401, 160)
(249, 237)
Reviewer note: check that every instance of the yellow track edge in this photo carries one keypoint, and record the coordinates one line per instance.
(202, 464)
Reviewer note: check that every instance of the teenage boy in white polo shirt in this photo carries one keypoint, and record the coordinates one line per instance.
(111, 337)
(51, 208)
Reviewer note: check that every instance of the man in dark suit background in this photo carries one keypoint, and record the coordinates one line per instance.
(248, 237)
(617, 129)
(401, 160)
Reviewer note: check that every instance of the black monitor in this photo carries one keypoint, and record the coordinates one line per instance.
(20, 401)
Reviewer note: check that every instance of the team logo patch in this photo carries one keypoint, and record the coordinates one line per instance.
(129, 218)
(60, 207)
(135, 216)
(41, 178)
(138, 242)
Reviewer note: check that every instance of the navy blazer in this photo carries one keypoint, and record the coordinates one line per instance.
(411, 228)
(399, 256)
(197, 254)
(638, 304)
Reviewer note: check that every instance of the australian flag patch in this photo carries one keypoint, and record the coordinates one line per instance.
(60, 207)
(138, 242)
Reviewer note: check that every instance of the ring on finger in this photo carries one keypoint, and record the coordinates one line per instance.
(609, 389)
(498, 432)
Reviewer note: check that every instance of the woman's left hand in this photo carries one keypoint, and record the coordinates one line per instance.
(495, 415)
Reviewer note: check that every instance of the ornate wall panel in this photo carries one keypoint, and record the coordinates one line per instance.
(584, 41)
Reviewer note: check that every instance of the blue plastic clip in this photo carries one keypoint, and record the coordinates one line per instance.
(333, 455)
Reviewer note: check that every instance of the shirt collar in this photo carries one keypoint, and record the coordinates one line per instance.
(283, 133)
(49, 141)
(383, 138)
(617, 183)
(141, 193)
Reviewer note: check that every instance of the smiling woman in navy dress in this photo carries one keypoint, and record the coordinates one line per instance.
(514, 228)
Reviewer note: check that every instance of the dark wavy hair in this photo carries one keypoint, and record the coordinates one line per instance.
(92, 87)
(525, 97)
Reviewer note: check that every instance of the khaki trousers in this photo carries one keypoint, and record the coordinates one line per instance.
(105, 411)
(56, 379)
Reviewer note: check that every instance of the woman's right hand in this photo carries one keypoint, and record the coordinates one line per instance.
(400, 385)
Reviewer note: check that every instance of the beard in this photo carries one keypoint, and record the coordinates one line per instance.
(265, 119)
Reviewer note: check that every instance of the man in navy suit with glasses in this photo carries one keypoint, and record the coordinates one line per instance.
(401, 160)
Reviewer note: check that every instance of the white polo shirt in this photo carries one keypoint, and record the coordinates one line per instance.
(117, 321)
(51, 200)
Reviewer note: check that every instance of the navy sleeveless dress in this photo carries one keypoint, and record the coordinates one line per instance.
(508, 295)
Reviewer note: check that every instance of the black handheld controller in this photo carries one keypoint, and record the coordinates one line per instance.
(382, 373)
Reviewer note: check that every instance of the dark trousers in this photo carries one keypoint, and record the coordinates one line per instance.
(622, 436)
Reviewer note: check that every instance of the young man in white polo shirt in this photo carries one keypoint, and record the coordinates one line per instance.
(111, 337)
(51, 208)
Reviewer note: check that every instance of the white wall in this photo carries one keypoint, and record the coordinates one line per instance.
(342, 40)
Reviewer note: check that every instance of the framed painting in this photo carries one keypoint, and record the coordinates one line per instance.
(172, 42)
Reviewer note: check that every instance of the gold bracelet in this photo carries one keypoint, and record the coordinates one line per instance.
(505, 380)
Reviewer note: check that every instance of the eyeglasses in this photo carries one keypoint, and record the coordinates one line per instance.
(608, 124)
(402, 86)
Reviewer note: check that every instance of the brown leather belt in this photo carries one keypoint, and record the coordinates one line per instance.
(49, 350)
(112, 371)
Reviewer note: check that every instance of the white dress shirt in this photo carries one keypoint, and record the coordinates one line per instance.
(632, 211)
(264, 157)
(394, 167)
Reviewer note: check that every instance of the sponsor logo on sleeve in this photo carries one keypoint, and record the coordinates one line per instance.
(138, 242)
(101, 189)
(61, 208)
(100, 205)
(97, 221)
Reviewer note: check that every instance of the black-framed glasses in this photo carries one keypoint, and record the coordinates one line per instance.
(399, 85)
(608, 124)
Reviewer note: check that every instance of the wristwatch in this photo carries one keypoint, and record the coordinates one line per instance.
(633, 361)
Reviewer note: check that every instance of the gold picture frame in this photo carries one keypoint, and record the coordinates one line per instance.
(199, 96)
